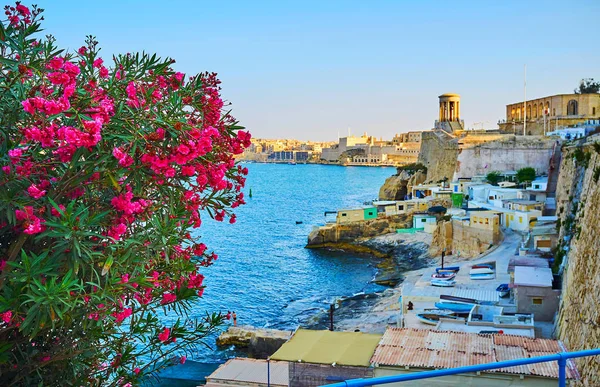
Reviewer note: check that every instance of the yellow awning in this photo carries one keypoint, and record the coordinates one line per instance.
(325, 347)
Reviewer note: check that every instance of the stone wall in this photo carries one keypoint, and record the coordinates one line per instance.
(578, 205)
(504, 153)
(438, 153)
(462, 239)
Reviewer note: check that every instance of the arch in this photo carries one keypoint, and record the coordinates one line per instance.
(519, 113)
(572, 108)
(529, 111)
(513, 113)
(547, 108)
(535, 110)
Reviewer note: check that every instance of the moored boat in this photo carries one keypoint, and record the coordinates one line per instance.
(434, 318)
(443, 283)
(503, 290)
(483, 266)
(443, 277)
(482, 276)
(454, 306)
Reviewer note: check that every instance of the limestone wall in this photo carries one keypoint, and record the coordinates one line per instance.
(438, 153)
(505, 153)
(460, 238)
(578, 205)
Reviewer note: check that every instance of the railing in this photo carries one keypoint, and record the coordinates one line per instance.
(561, 358)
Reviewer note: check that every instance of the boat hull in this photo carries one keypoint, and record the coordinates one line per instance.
(454, 306)
(443, 283)
(433, 318)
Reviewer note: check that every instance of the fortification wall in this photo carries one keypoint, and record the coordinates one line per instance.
(438, 153)
(578, 206)
(504, 153)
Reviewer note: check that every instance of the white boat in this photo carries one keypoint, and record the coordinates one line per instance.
(482, 276)
(481, 270)
(443, 277)
(443, 283)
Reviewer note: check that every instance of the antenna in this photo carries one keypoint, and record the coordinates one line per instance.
(525, 102)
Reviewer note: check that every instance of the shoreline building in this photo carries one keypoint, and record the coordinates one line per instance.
(550, 113)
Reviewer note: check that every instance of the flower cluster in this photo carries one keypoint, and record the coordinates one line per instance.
(107, 168)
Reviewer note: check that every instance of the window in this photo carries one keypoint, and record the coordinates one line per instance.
(520, 219)
(344, 214)
(400, 208)
(423, 220)
(537, 301)
(593, 111)
(512, 217)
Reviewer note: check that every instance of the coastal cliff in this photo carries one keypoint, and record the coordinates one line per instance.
(396, 187)
(578, 255)
(333, 235)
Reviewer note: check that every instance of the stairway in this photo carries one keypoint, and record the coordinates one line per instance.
(550, 208)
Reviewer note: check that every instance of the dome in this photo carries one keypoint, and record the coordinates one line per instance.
(449, 95)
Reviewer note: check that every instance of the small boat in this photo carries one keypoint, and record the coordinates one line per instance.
(450, 268)
(503, 289)
(443, 277)
(298, 222)
(481, 270)
(443, 283)
(483, 266)
(292, 163)
(482, 276)
(445, 271)
(454, 306)
(434, 318)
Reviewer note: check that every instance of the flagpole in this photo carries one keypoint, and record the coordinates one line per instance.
(525, 102)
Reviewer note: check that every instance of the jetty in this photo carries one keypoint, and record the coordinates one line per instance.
(260, 342)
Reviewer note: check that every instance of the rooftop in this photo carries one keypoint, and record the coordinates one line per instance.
(243, 371)
(326, 347)
(533, 276)
(406, 347)
(383, 202)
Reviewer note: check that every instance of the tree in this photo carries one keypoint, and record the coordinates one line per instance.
(104, 173)
(526, 175)
(588, 86)
(493, 177)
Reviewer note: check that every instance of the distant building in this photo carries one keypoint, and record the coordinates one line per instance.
(557, 111)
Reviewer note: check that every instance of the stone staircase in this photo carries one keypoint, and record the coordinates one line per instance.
(550, 207)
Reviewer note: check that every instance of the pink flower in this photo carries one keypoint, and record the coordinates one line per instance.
(124, 159)
(120, 316)
(103, 72)
(125, 278)
(56, 63)
(117, 231)
(46, 358)
(164, 335)
(28, 107)
(97, 63)
(55, 212)
(82, 50)
(182, 359)
(23, 10)
(136, 370)
(35, 192)
(168, 298)
(6, 316)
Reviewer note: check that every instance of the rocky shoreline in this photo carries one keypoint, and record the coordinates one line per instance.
(401, 255)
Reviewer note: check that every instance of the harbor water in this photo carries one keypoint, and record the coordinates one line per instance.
(263, 272)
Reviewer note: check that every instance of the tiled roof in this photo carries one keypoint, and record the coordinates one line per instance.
(408, 347)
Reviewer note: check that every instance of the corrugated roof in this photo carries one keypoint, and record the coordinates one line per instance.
(325, 347)
(421, 348)
(476, 294)
(242, 371)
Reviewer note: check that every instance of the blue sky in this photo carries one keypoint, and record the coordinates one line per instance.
(308, 69)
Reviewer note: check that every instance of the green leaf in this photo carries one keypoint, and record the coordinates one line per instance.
(107, 264)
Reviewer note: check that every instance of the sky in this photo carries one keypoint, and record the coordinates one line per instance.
(312, 69)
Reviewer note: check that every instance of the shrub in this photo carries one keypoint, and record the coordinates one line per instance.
(105, 168)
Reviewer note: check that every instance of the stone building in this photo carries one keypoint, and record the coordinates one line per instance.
(556, 111)
(449, 115)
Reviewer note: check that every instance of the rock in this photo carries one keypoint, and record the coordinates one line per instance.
(261, 343)
(394, 188)
(442, 238)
